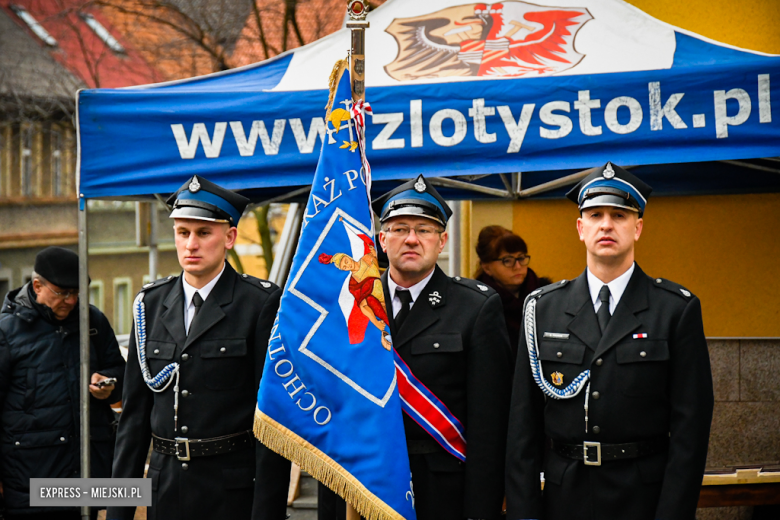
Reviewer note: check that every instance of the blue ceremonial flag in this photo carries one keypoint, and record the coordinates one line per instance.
(328, 398)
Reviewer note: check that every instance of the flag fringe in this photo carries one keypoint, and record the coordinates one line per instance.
(324, 469)
(333, 83)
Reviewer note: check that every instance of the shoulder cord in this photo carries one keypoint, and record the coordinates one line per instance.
(163, 379)
(574, 388)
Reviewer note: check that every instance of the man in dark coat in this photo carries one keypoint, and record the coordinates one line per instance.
(39, 385)
(613, 367)
(194, 365)
(451, 333)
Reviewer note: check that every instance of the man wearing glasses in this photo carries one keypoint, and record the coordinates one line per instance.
(39, 385)
(613, 369)
(450, 332)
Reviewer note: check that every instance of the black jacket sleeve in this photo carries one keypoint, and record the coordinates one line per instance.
(272, 479)
(487, 402)
(691, 401)
(525, 441)
(135, 432)
(110, 361)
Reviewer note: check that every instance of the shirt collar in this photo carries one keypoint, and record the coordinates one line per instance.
(616, 287)
(204, 291)
(415, 289)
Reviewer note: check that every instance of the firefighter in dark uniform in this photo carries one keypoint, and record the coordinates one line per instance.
(614, 370)
(194, 365)
(451, 333)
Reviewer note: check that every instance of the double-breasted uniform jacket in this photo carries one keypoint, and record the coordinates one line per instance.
(650, 379)
(221, 361)
(455, 342)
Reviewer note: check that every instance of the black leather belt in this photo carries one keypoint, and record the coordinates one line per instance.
(421, 447)
(184, 449)
(594, 453)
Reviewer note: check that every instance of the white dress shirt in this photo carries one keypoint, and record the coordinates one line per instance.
(189, 292)
(616, 288)
(415, 289)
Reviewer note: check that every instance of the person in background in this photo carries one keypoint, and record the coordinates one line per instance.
(39, 386)
(503, 265)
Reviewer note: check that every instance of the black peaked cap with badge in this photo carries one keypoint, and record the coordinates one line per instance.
(416, 198)
(201, 199)
(611, 185)
(59, 266)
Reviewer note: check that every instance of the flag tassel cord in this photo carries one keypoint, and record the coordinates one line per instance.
(324, 469)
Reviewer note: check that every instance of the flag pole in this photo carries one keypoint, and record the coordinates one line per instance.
(357, 24)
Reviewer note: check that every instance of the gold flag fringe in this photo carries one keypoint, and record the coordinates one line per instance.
(333, 83)
(321, 467)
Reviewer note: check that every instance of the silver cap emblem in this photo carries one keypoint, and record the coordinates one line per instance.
(420, 186)
(194, 186)
(608, 171)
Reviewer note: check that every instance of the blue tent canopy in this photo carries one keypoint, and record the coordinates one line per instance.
(544, 90)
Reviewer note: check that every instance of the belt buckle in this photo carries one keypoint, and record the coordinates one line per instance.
(586, 460)
(186, 442)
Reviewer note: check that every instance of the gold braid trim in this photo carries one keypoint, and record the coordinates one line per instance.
(321, 467)
(333, 83)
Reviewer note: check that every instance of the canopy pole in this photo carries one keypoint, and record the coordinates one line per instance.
(154, 254)
(84, 378)
(288, 241)
(357, 68)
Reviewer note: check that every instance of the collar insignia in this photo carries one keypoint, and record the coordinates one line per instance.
(434, 298)
(194, 186)
(608, 171)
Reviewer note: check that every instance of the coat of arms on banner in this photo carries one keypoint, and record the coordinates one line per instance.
(504, 40)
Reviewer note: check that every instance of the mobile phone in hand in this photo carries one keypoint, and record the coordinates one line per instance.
(106, 382)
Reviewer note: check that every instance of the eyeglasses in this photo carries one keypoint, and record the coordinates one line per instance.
(62, 295)
(422, 231)
(510, 261)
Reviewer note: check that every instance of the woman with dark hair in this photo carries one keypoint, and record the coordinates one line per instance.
(503, 265)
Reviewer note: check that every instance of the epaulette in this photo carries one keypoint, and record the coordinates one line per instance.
(672, 287)
(157, 283)
(257, 282)
(541, 291)
(474, 285)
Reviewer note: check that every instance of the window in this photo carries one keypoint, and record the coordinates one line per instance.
(34, 26)
(27, 162)
(96, 297)
(122, 305)
(103, 33)
(56, 163)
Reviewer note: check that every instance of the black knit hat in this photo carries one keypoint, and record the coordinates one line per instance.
(59, 266)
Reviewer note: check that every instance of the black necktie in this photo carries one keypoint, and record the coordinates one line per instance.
(197, 301)
(406, 300)
(603, 314)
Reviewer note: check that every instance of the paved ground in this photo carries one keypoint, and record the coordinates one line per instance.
(302, 514)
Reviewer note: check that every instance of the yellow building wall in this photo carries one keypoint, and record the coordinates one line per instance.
(749, 24)
(723, 248)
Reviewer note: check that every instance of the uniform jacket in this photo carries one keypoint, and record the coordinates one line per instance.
(221, 361)
(646, 388)
(39, 392)
(455, 342)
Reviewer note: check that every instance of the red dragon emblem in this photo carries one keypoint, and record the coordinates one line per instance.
(505, 40)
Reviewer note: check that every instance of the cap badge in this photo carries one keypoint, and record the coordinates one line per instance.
(608, 171)
(194, 186)
(557, 378)
(419, 186)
